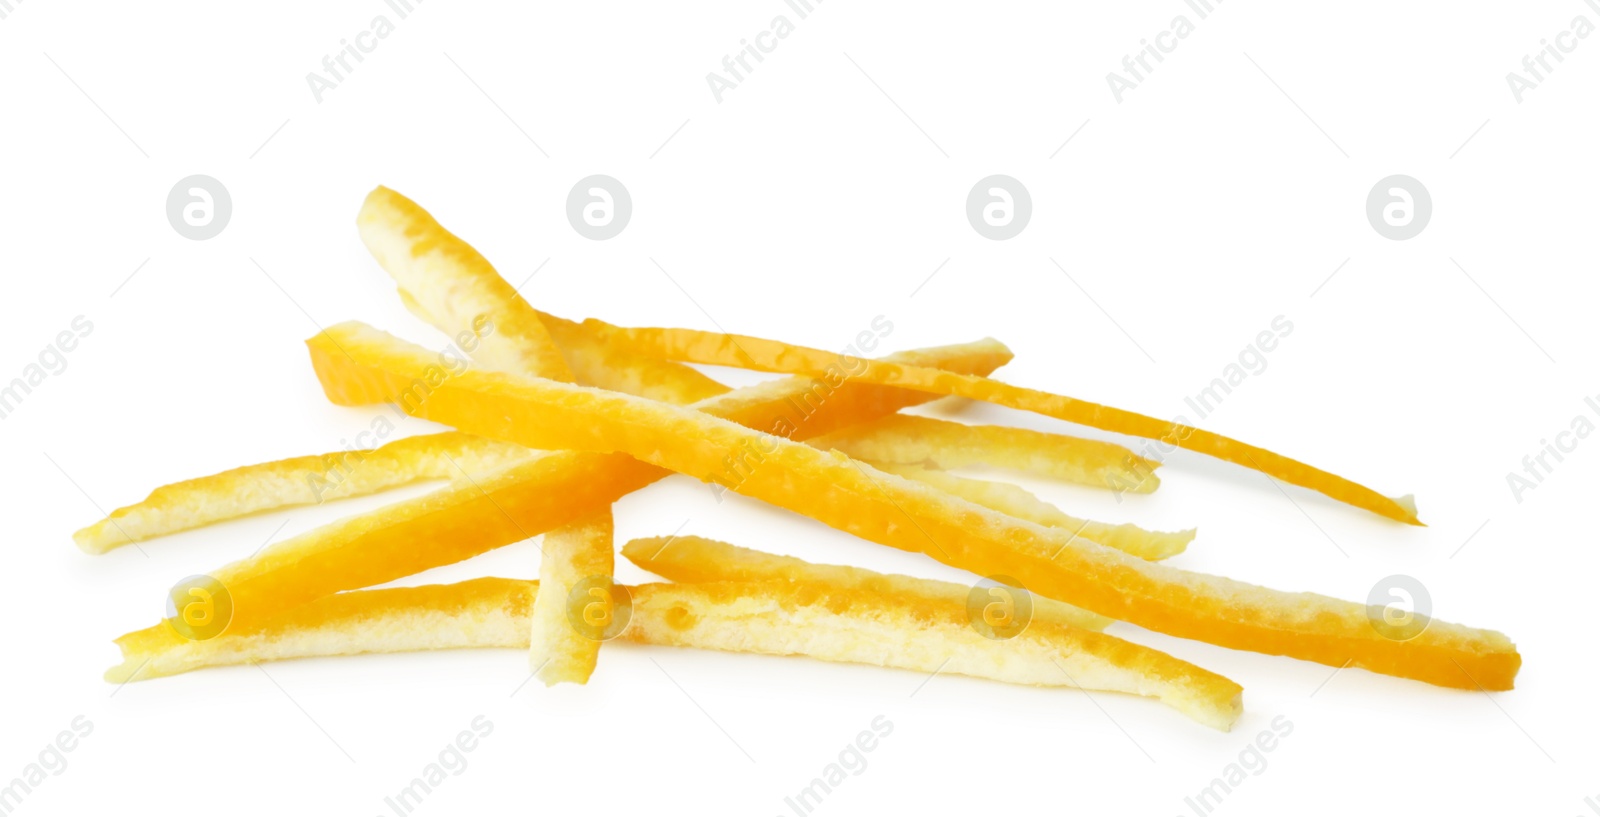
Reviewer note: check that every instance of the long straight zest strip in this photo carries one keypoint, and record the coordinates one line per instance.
(802, 619)
(366, 365)
(309, 480)
(906, 439)
(774, 356)
(696, 560)
(523, 500)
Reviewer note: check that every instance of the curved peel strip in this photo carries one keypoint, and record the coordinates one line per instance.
(308, 480)
(905, 439)
(358, 364)
(781, 619)
(574, 553)
(1014, 501)
(696, 560)
(773, 356)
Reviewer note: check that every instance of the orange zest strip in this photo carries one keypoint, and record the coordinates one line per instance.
(697, 560)
(801, 619)
(773, 356)
(447, 283)
(907, 439)
(1014, 501)
(358, 365)
(824, 621)
(309, 480)
(578, 554)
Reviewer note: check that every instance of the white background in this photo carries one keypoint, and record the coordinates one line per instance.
(1184, 219)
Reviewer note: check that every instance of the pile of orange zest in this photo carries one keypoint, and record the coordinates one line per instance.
(696, 560)
(1014, 501)
(796, 619)
(906, 439)
(548, 490)
(359, 365)
(773, 356)
(296, 481)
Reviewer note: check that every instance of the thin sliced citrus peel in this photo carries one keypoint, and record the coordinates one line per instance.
(359, 365)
